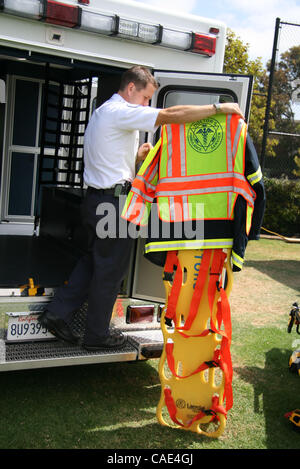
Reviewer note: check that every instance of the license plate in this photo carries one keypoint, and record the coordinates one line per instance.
(25, 327)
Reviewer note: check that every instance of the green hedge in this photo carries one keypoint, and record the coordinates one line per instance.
(282, 213)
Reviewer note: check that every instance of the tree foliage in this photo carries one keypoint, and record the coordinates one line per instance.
(237, 61)
(285, 86)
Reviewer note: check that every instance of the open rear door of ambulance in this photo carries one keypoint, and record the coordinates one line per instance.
(176, 88)
(202, 88)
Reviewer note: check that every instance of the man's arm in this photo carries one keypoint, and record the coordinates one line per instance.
(191, 113)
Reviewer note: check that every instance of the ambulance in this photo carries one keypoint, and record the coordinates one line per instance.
(58, 62)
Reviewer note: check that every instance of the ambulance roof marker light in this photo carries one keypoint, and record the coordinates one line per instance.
(24, 8)
(134, 30)
(61, 14)
(99, 23)
(214, 30)
(203, 44)
(176, 39)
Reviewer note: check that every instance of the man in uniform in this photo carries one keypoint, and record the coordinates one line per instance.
(110, 155)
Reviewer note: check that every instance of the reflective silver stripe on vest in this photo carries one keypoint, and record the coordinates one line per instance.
(202, 177)
(189, 244)
(228, 138)
(185, 207)
(172, 208)
(138, 219)
(182, 149)
(206, 190)
(150, 176)
(131, 206)
(144, 196)
(229, 204)
(237, 137)
(169, 136)
(147, 184)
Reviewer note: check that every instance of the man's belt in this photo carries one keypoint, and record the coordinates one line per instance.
(116, 191)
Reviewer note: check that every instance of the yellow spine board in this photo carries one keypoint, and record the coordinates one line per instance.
(192, 394)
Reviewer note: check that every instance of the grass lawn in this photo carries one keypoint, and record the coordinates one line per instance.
(112, 406)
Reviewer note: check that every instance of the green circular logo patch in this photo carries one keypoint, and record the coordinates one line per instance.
(205, 135)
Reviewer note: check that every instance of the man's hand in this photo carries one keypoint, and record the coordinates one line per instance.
(231, 108)
(143, 152)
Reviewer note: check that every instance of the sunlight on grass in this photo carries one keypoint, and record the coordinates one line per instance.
(117, 426)
(113, 405)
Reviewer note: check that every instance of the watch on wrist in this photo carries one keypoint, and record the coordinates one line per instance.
(217, 107)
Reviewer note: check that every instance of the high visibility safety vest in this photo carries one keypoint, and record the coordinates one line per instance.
(196, 171)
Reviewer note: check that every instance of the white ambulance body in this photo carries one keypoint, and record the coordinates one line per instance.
(58, 60)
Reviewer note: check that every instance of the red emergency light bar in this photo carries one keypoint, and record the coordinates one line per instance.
(61, 14)
(75, 16)
(202, 44)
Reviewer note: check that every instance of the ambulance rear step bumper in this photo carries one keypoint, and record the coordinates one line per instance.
(53, 353)
(148, 343)
(144, 340)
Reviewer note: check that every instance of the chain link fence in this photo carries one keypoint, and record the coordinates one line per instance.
(280, 156)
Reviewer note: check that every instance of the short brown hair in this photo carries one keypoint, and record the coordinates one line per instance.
(138, 75)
